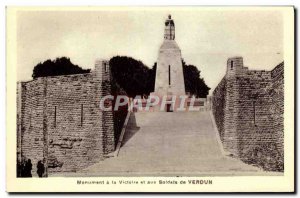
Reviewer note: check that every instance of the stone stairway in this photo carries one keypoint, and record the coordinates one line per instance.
(170, 144)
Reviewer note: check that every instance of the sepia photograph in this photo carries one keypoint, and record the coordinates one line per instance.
(167, 99)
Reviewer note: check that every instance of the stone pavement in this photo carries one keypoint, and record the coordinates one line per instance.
(170, 144)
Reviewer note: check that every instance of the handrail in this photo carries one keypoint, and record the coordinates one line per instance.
(122, 134)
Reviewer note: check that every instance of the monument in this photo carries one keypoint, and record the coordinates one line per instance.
(169, 80)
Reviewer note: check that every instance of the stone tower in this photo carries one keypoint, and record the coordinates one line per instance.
(169, 79)
(234, 69)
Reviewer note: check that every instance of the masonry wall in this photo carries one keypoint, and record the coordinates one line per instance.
(255, 121)
(76, 134)
(61, 120)
(31, 122)
(218, 106)
(277, 93)
(103, 77)
(248, 109)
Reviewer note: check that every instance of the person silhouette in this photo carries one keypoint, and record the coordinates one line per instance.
(19, 168)
(28, 168)
(22, 167)
(40, 168)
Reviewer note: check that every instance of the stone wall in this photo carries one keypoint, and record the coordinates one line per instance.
(218, 107)
(104, 78)
(60, 120)
(248, 109)
(31, 124)
(277, 93)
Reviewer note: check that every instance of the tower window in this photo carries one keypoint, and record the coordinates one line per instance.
(231, 65)
(105, 67)
(169, 75)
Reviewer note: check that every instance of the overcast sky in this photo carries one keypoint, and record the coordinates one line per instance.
(206, 38)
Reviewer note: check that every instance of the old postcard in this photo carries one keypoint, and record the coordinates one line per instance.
(150, 99)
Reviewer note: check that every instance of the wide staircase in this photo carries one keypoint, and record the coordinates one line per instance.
(170, 144)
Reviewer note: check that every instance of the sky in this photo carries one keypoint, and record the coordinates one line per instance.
(206, 37)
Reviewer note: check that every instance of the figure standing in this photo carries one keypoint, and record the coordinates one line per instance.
(28, 168)
(40, 168)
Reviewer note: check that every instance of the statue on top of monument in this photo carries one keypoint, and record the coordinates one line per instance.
(169, 29)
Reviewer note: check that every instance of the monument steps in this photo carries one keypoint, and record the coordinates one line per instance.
(170, 144)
